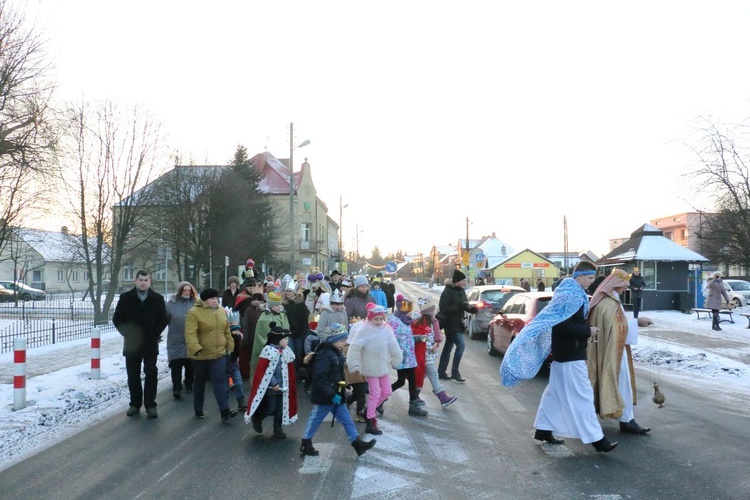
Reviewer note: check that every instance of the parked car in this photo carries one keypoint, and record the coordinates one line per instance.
(488, 299)
(6, 295)
(24, 292)
(739, 292)
(514, 315)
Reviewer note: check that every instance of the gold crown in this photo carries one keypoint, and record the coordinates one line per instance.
(619, 273)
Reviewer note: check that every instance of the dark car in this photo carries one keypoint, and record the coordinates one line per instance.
(515, 314)
(24, 292)
(488, 299)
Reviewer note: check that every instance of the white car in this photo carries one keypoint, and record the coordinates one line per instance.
(739, 292)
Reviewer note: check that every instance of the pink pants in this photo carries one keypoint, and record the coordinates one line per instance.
(380, 389)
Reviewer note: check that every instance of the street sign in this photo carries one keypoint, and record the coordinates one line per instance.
(465, 258)
(390, 267)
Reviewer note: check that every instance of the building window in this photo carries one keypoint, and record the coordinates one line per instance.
(128, 274)
(305, 235)
(160, 275)
(668, 236)
(60, 276)
(684, 234)
(86, 276)
(75, 276)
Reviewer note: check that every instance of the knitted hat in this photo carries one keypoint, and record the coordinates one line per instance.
(276, 334)
(333, 333)
(209, 293)
(337, 297)
(250, 263)
(360, 280)
(426, 306)
(374, 310)
(233, 279)
(403, 304)
(457, 276)
(274, 299)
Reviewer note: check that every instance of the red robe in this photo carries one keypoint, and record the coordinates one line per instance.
(270, 356)
(420, 350)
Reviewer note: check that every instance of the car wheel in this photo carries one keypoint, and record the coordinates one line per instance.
(491, 348)
(25, 297)
(736, 302)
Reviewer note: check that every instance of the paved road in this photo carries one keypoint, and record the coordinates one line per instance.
(481, 447)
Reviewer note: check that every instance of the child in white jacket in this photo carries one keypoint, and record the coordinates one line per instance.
(374, 352)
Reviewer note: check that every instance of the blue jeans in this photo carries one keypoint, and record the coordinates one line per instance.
(216, 371)
(450, 340)
(319, 412)
(233, 370)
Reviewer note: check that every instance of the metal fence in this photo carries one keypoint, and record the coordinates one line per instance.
(48, 322)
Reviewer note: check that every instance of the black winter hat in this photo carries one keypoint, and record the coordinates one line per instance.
(276, 334)
(457, 276)
(209, 293)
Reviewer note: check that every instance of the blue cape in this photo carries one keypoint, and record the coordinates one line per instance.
(533, 343)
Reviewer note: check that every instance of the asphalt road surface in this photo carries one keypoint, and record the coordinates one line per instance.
(481, 448)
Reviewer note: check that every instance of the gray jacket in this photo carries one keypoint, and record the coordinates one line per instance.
(716, 290)
(177, 310)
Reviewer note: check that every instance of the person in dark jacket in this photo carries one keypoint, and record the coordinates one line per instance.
(540, 285)
(637, 284)
(358, 298)
(327, 390)
(453, 303)
(390, 293)
(298, 315)
(230, 294)
(248, 321)
(140, 317)
(567, 404)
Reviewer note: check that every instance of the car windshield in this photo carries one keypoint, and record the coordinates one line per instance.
(495, 296)
(738, 286)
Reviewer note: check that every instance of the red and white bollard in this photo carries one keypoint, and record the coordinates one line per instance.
(19, 373)
(96, 352)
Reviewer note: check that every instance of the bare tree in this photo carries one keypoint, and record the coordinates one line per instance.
(111, 157)
(723, 173)
(27, 137)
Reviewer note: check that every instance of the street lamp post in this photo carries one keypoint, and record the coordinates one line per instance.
(341, 227)
(292, 225)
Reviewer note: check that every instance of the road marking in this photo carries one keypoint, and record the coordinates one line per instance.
(320, 464)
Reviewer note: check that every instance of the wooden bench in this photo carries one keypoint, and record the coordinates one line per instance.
(747, 315)
(727, 312)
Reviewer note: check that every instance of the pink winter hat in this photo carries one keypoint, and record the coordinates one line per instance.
(374, 310)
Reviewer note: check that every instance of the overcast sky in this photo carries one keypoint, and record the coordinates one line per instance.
(421, 114)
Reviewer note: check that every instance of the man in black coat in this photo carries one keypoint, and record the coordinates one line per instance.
(453, 303)
(637, 284)
(140, 317)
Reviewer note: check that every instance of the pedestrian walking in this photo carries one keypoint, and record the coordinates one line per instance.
(272, 313)
(274, 391)
(141, 316)
(230, 294)
(326, 393)
(374, 352)
(400, 321)
(716, 291)
(636, 285)
(453, 304)
(427, 326)
(209, 341)
(177, 308)
(567, 404)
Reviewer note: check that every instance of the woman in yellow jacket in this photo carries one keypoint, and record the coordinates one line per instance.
(208, 342)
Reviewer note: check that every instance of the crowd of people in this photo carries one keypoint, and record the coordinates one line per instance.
(341, 338)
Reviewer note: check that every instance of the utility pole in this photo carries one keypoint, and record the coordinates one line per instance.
(468, 257)
(565, 243)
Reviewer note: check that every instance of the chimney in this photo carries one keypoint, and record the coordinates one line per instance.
(493, 234)
(502, 250)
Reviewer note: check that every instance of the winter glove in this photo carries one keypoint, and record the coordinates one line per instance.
(336, 399)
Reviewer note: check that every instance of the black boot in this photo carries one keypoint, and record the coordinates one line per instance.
(547, 436)
(277, 432)
(226, 414)
(415, 410)
(306, 448)
(362, 446)
(632, 427)
(257, 424)
(604, 445)
(372, 427)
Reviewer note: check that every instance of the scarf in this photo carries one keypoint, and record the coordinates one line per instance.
(533, 343)
(405, 318)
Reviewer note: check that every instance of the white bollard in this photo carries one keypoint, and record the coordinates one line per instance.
(96, 352)
(19, 373)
